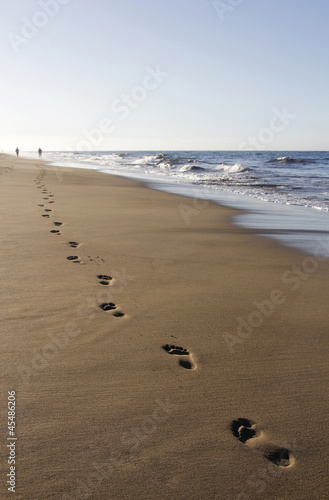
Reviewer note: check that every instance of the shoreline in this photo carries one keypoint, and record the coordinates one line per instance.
(106, 407)
(283, 223)
(291, 224)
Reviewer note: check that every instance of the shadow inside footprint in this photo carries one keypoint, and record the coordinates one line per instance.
(54, 231)
(242, 429)
(72, 257)
(73, 244)
(184, 363)
(281, 457)
(58, 223)
(118, 314)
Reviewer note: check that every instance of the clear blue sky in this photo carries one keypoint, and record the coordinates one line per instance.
(79, 74)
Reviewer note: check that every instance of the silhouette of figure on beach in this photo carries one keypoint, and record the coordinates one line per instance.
(40, 152)
(17, 151)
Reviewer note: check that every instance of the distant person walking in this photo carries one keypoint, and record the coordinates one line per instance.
(17, 151)
(40, 152)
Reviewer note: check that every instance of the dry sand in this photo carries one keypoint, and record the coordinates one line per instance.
(103, 411)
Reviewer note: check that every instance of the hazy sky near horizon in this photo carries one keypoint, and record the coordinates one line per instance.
(164, 74)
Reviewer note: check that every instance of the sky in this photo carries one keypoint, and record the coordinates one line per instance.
(164, 75)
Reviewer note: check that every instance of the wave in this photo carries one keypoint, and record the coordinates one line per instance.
(191, 168)
(145, 160)
(233, 169)
(164, 164)
(157, 159)
(288, 159)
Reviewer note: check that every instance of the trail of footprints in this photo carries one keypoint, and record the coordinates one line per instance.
(104, 279)
(245, 430)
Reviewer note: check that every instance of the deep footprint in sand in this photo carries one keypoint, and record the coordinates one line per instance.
(54, 231)
(104, 279)
(186, 359)
(118, 314)
(249, 433)
(73, 244)
(108, 306)
(74, 259)
(58, 223)
(46, 215)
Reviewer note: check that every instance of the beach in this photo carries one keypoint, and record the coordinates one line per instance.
(156, 351)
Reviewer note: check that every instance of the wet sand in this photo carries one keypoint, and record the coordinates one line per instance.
(155, 350)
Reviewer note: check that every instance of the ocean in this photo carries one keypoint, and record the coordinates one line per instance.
(283, 195)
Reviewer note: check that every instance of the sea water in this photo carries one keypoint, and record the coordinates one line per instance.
(283, 195)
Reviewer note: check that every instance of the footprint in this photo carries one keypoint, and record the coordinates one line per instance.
(74, 258)
(49, 201)
(58, 223)
(46, 198)
(108, 306)
(55, 231)
(46, 215)
(40, 205)
(48, 210)
(118, 314)
(248, 432)
(187, 361)
(73, 244)
(105, 279)
(173, 349)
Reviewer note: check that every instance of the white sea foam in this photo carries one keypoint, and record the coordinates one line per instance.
(191, 168)
(237, 168)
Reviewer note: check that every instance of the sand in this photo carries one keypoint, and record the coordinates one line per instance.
(205, 377)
